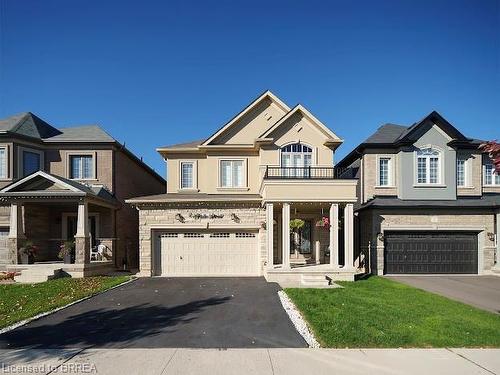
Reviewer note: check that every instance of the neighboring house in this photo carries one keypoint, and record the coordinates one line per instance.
(64, 183)
(429, 200)
(230, 199)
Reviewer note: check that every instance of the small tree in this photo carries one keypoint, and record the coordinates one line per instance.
(493, 150)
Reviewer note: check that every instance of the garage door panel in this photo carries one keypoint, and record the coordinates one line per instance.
(208, 254)
(439, 252)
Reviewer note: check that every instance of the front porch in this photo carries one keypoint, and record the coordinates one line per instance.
(316, 254)
(48, 214)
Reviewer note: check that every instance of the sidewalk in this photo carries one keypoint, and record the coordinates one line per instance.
(252, 361)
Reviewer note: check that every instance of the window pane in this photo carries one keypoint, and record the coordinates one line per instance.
(186, 175)
(237, 173)
(3, 163)
(421, 171)
(460, 172)
(76, 171)
(87, 167)
(31, 162)
(226, 173)
(434, 170)
(383, 172)
(488, 174)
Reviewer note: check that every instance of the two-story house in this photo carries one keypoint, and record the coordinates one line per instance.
(70, 183)
(429, 200)
(257, 197)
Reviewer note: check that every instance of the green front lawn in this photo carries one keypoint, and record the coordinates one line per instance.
(22, 301)
(377, 312)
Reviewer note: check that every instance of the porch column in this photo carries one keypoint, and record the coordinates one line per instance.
(82, 237)
(349, 235)
(285, 243)
(16, 231)
(270, 234)
(497, 242)
(334, 235)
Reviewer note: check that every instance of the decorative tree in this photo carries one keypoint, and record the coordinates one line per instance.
(493, 150)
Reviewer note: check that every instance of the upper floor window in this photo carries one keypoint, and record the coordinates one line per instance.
(384, 171)
(82, 167)
(490, 176)
(31, 162)
(231, 173)
(187, 175)
(428, 166)
(3, 162)
(295, 158)
(461, 172)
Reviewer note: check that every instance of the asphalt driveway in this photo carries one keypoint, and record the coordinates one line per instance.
(479, 291)
(163, 313)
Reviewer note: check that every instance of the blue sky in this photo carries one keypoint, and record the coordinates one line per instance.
(154, 73)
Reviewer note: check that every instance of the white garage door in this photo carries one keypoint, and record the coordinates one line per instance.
(217, 253)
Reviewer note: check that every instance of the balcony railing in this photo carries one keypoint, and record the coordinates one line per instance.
(300, 173)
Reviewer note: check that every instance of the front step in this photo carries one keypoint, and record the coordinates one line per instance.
(315, 280)
(37, 275)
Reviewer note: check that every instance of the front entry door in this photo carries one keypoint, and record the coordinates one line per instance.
(300, 242)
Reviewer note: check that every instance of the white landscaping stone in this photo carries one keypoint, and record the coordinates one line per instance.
(297, 320)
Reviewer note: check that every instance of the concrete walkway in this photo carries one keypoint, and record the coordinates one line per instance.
(252, 361)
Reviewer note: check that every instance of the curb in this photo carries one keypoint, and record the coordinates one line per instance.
(41, 315)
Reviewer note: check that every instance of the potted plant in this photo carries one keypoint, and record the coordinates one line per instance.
(28, 252)
(67, 251)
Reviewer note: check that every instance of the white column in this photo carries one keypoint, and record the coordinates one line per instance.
(285, 242)
(317, 247)
(349, 235)
(270, 234)
(497, 238)
(334, 235)
(82, 226)
(16, 229)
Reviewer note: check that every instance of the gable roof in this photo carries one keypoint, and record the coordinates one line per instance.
(247, 109)
(41, 183)
(393, 135)
(299, 108)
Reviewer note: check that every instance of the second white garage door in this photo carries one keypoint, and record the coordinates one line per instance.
(207, 254)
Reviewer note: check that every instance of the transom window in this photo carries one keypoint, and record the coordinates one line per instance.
(490, 176)
(231, 173)
(82, 167)
(428, 166)
(460, 172)
(295, 158)
(187, 173)
(3, 162)
(384, 171)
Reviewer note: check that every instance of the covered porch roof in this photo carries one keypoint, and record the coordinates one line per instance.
(40, 186)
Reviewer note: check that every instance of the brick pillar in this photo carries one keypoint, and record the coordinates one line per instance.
(16, 232)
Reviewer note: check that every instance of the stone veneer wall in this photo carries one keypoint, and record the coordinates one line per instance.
(373, 221)
(164, 217)
(4, 223)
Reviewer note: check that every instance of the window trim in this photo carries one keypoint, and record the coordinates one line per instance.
(493, 183)
(8, 159)
(70, 154)
(219, 175)
(390, 177)
(194, 186)
(466, 173)
(440, 157)
(20, 157)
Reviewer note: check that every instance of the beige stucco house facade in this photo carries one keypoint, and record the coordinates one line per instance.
(230, 199)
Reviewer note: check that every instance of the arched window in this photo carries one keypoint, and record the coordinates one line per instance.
(428, 166)
(295, 158)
